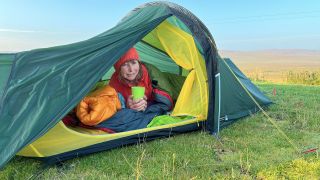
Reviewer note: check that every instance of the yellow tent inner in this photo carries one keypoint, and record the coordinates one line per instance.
(181, 47)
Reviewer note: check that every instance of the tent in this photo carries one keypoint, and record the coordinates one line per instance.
(39, 87)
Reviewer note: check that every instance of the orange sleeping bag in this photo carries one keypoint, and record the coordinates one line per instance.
(98, 106)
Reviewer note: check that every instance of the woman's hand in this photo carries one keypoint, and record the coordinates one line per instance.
(138, 105)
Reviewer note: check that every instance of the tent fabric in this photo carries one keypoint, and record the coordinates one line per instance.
(134, 138)
(210, 54)
(170, 83)
(6, 61)
(55, 143)
(159, 59)
(235, 101)
(184, 52)
(167, 119)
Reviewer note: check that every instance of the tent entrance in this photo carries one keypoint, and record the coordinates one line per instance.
(182, 49)
(62, 138)
(172, 49)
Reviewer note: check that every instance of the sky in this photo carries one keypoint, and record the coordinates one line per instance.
(235, 25)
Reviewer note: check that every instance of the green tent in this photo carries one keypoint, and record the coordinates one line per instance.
(39, 87)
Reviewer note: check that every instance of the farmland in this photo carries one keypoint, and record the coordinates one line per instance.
(279, 66)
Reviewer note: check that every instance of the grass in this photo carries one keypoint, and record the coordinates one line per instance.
(295, 170)
(251, 148)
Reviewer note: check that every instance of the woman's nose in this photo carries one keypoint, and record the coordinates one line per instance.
(129, 68)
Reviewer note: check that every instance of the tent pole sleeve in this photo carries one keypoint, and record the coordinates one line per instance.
(217, 103)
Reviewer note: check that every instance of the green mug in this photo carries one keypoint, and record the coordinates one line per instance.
(137, 92)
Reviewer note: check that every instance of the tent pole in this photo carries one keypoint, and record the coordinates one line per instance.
(217, 76)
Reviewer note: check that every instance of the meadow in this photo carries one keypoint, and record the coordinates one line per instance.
(251, 148)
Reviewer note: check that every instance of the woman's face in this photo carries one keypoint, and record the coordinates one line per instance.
(130, 69)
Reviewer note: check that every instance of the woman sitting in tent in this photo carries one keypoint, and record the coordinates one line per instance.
(135, 114)
(130, 72)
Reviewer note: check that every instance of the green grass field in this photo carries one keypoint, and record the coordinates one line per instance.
(251, 148)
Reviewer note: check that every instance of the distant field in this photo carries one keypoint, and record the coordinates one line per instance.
(280, 66)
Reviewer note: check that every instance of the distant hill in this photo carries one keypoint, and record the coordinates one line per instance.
(275, 59)
(7, 52)
(275, 65)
